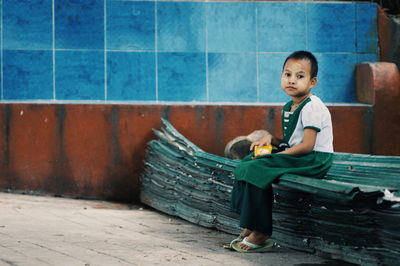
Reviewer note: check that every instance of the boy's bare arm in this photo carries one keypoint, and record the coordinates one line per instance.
(306, 146)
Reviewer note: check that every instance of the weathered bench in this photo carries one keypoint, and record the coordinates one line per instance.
(352, 214)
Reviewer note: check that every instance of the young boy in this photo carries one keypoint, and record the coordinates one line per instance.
(306, 149)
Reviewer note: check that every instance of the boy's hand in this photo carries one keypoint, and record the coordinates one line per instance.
(266, 140)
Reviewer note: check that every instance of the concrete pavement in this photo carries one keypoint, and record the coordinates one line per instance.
(38, 230)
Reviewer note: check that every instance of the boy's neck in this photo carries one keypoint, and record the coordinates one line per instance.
(299, 100)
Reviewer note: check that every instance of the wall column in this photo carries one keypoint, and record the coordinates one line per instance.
(379, 84)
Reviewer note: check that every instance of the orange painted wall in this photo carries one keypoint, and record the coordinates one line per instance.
(389, 35)
(97, 151)
(378, 84)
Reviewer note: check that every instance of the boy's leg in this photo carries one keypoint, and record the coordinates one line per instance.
(237, 195)
(254, 206)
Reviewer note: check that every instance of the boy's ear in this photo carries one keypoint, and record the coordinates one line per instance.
(314, 81)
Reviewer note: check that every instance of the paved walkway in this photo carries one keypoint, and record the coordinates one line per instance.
(36, 230)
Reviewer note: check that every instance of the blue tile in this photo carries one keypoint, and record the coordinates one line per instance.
(130, 25)
(181, 26)
(79, 24)
(367, 58)
(331, 27)
(336, 82)
(231, 27)
(27, 75)
(131, 76)
(181, 77)
(232, 77)
(270, 73)
(367, 32)
(79, 75)
(27, 24)
(281, 27)
(1, 67)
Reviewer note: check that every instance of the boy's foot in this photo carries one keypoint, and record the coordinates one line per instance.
(252, 248)
(255, 238)
(245, 233)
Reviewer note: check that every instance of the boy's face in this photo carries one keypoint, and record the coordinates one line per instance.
(296, 78)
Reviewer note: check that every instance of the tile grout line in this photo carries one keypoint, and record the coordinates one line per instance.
(206, 50)
(355, 33)
(166, 51)
(53, 48)
(257, 59)
(155, 45)
(306, 15)
(105, 50)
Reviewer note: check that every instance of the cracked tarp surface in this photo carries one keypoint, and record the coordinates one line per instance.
(352, 214)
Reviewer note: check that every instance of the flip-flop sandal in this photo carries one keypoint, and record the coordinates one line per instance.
(229, 246)
(268, 246)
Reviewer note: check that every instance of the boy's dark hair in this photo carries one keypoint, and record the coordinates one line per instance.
(299, 55)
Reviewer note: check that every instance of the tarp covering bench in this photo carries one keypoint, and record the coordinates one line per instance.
(352, 214)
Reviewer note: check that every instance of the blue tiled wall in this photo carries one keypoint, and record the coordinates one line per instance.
(150, 51)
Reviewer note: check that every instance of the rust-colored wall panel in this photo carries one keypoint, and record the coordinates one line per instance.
(87, 145)
(365, 90)
(383, 88)
(387, 109)
(352, 125)
(239, 121)
(242, 120)
(132, 129)
(388, 33)
(389, 36)
(384, 34)
(220, 124)
(4, 126)
(97, 151)
(352, 128)
(191, 120)
(31, 144)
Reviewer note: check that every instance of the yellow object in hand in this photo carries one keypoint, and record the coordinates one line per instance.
(262, 150)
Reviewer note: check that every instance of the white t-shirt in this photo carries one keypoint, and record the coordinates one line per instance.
(314, 114)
